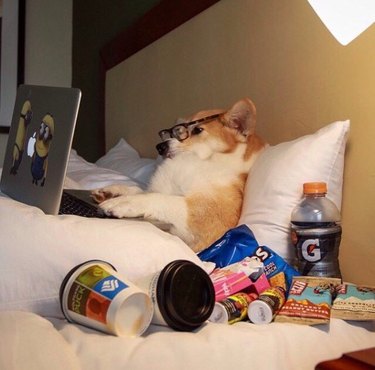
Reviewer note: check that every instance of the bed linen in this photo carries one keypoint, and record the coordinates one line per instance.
(218, 346)
(31, 342)
(38, 250)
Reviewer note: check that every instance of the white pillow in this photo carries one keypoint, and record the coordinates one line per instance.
(81, 174)
(124, 159)
(274, 185)
(38, 250)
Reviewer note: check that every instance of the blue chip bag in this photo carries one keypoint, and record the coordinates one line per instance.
(238, 243)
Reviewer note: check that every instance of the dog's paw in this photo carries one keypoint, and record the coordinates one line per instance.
(99, 195)
(102, 194)
(124, 206)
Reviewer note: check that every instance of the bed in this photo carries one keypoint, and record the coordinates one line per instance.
(38, 250)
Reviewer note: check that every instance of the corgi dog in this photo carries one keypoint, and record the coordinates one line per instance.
(199, 186)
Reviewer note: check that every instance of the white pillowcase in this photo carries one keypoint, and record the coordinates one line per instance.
(81, 174)
(38, 250)
(274, 185)
(124, 159)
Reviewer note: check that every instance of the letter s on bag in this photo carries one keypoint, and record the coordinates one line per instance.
(261, 254)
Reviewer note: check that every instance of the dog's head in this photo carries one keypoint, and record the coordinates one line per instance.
(209, 132)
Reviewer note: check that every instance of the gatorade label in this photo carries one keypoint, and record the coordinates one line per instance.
(317, 250)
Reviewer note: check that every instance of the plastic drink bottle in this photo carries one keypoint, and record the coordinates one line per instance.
(316, 232)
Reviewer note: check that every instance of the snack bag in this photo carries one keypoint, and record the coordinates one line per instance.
(309, 300)
(233, 246)
(354, 303)
(238, 243)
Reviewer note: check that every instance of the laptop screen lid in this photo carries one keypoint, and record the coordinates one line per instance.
(39, 143)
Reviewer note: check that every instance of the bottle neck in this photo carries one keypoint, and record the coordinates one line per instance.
(315, 195)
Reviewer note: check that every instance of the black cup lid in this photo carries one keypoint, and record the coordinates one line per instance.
(185, 295)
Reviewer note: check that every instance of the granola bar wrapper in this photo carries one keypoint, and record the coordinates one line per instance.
(309, 301)
(354, 302)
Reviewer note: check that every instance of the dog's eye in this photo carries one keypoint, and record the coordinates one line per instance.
(196, 130)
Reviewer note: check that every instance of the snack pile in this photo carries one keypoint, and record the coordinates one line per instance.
(254, 283)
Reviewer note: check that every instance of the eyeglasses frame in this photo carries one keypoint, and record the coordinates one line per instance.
(187, 125)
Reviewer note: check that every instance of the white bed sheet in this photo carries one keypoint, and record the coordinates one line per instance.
(29, 342)
(218, 346)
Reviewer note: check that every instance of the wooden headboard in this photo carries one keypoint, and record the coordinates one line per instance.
(280, 55)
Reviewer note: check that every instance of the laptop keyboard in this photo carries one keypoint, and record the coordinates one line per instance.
(70, 205)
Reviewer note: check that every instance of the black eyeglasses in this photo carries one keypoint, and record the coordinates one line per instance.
(182, 131)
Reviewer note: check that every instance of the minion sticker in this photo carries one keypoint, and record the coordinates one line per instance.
(39, 160)
(19, 144)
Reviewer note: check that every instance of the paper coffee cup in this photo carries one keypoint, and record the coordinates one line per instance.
(95, 295)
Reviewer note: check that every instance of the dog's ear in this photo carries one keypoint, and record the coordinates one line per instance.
(242, 117)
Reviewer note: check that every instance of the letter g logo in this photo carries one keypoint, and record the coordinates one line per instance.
(310, 250)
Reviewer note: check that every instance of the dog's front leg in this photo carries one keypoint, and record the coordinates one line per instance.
(170, 209)
(113, 191)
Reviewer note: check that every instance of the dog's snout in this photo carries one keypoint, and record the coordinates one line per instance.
(162, 148)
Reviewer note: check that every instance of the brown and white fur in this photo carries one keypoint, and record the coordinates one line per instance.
(199, 186)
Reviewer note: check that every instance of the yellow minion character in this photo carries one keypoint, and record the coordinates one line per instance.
(39, 161)
(19, 144)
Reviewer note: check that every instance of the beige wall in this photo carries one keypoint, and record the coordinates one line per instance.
(280, 54)
(48, 42)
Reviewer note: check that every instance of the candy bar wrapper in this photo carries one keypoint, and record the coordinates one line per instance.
(251, 267)
(227, 283)
(354, 302)
(309, 300)
(238, 277)
(260, 285)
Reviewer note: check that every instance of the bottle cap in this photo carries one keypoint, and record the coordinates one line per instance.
(314, 188)
(219, 314)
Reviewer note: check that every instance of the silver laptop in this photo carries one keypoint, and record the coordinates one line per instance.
(37, 153)
(39, 143)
